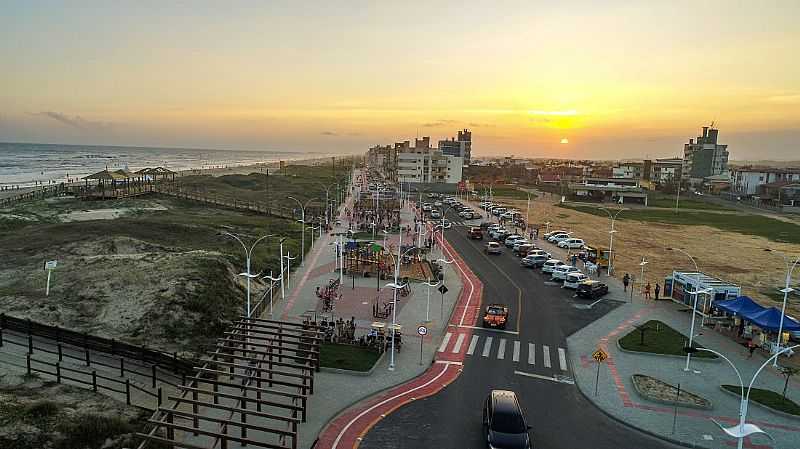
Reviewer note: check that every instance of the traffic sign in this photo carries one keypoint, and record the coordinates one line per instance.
(422, 330)
(599, 355)
(442, 289)
(50, 265)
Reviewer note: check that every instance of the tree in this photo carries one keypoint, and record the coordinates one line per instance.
(788, 371)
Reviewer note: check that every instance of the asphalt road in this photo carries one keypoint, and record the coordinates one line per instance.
(543, 315)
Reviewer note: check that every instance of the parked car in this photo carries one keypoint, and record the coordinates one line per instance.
(504, 423)
(551, 264)
(572, 280)
(475, 233)
(547, 235)
(539, 252)
(438, 204)
(511, 239)
(558, 238)
(521, 248)
(533, 261)
(590, 289)
(496, 315)
(560, 272)
(427, 207)
(436, 214)
(493, 248)
(572, 243)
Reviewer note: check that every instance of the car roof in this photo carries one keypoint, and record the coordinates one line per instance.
(505, 401)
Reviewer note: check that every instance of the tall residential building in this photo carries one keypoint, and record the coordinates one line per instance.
(460, 148)
(704, 158)
(424, 164)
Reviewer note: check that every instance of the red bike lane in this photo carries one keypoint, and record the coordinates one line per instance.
(349, 426)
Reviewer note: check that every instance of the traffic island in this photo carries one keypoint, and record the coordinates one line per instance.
(659, 391)
(768, 399)
(656, 337)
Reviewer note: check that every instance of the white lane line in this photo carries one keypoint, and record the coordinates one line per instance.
(488, 329)
(379, 404)
(531, 354)
(562, 359)
(487, 347)
(459, 342)
(546, 356)
(446, 340)
(501, 351)
(472, 345)
(515, 356)
(551, 379)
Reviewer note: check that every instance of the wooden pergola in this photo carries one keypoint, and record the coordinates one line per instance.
(113, 184)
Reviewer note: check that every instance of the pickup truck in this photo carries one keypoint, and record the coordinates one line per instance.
(496, 315)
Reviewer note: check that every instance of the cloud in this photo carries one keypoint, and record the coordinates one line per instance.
(785, 99)
(329, 133)
(480, 125)
(540, 120)
(438, 123)
(76, 121)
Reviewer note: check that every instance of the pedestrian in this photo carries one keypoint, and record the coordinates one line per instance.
(658, 290)
(531, 234)
(751, 346)
(625, 281)
(574, 260)
(647, 291)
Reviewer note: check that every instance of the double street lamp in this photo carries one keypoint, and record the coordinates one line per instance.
(303, 221)
(248, 253)
(613, 217)
(696, 293)
(790, 266)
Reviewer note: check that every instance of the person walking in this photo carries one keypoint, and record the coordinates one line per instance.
(625, 281)
(751, 346)
(658, 290)
(647, 291)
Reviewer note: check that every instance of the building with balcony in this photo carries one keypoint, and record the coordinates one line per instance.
(704, 158)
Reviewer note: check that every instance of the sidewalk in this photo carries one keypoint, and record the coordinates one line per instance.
(335, 392)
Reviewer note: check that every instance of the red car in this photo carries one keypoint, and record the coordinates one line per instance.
(496, 315)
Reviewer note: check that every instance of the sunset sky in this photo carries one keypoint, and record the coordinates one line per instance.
(610, 79)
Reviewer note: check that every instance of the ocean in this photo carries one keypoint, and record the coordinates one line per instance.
(29, 164)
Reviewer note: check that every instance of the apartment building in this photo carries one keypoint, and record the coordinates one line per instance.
(424, 164)
(460, 148)
(747, 180)
(704, 158)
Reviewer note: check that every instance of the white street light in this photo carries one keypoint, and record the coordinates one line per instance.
(273, 280)
(642, 264)
(303, 221)
(786, 290)
(289, 260)
(613, 218)
(743, 430)
(248, 254)
(428, 303)
(694, 307)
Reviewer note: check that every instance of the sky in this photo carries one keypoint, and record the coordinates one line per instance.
(575, 79)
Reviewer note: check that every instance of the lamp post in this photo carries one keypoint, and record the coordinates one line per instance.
(528, 214)
(790, 266)
(283, 288)
(743, 430)
(303, 221)
(694, 307)
(273, 280)
(289, 260)
(613, 217)
(428, 303)
(448, 262)
(248, 253)
(327, 196)
(642, 264)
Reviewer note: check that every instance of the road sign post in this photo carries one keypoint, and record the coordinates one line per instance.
(442, 289)
(50, 265)
(599, 355)
(422, 331)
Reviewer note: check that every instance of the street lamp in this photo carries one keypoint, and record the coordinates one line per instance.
(743, 430)
(428, 303)
(790, 266)
(642, 264)
(273, 280)
(694, 307)
(327, 203)
(448, 262)
(289, 260)
(248, 255)
(613, 218)
(528, 214)
(303, 221)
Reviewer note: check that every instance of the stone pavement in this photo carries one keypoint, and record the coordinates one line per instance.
(336, 391)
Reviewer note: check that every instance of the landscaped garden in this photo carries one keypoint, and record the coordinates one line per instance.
(657, 338)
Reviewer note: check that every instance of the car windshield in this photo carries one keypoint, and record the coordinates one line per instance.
(508, 423)
(494, 311)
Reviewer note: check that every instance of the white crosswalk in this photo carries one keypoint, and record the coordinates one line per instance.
(455, 343)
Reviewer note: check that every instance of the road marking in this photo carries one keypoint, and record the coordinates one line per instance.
(487, 347)
(515, 356)
(562, 359)
(502, 331)
(472, 345)
(546, 356)
(459, 342)
(501, 351)
(448, 362)
(551, 379)
(531, 354)
(446, 340)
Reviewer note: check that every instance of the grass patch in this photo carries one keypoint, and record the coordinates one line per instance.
(511, 192)
(91, 431)
(768, 398)
(748, 224)
(349, 357)
(660, 339)
(668, 201)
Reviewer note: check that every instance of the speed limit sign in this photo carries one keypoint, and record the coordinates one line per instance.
(422, 330)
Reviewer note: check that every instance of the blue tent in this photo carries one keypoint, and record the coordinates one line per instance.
(770, 319)
(742, 306)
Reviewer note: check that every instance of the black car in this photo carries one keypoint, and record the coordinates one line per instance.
(591, 289)
(504, 423)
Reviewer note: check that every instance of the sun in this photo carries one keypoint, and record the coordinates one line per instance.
(564, 141)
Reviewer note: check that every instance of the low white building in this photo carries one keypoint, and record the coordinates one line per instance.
(746, 180)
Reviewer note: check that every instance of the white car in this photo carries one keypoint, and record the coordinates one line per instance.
(572, 243)
(560, 272)
(496, 232)
(573, 279)
(436, 214)
(547, 235)
(438, 204)
(520, 242)
(539, 252)
(493, 248)
(558, 238)
(427, 207)
(512, 239)
(551, 264)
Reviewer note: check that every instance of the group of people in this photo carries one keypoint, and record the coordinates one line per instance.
(340, 331)
(646, 291)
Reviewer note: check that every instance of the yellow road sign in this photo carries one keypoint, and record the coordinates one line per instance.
(599, 355)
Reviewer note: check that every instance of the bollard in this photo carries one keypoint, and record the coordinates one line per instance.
(128, 391)
(154, 376)
(30, 344)
(60, 353)
(94, 380)
(88, 361)
(1, 337)
(58, 372)
(28, 360)
(121, 367)
(159, 396)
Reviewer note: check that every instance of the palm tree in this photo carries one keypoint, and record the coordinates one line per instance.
(788, 371)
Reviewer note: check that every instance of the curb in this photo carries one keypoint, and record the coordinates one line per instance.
(636, 428)
(758, 404)
(671, 403)
(671, 356)
(348, 372)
